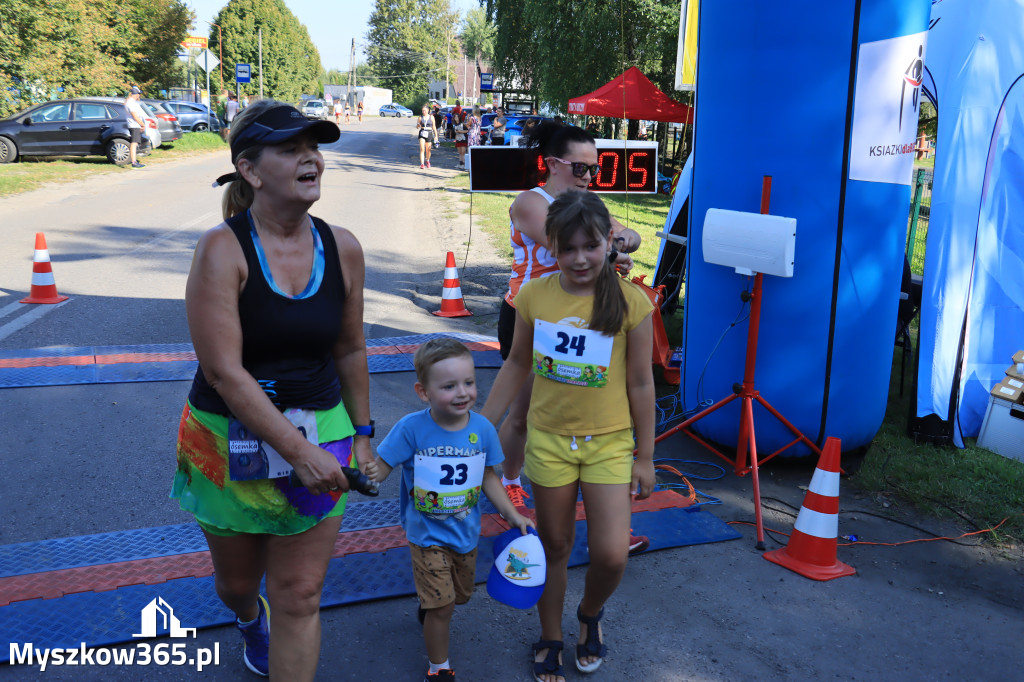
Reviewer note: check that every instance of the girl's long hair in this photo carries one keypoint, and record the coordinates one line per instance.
(575, 211)
(239, 194)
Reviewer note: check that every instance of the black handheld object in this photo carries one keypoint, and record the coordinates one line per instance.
(357, 481)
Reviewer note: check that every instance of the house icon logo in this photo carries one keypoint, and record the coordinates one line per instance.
(151, 615)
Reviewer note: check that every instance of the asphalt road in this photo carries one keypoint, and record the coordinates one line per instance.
(89, 459)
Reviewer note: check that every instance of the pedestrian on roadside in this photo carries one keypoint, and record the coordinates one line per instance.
(230, 111)
(443, 537)
(359, 111)
(473, 126)
(426, 132)
(136, 124)
(439, 126)
(274, 302)
(498, 127)
(461, 136)
(338, 107)
(581, 440)
(570, 156)
(348, 112)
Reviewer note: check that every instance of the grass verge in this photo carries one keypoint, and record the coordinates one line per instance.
(35, 171)
(972, 485)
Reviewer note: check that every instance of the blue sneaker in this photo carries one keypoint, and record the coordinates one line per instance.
(256, 636)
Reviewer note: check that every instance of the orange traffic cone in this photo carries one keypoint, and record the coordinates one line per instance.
(44, 289)
(811, 551)
(452, 304)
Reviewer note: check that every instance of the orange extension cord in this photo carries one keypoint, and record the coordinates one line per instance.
(890, 544)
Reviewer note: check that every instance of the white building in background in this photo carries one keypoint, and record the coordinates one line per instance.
(372, 98)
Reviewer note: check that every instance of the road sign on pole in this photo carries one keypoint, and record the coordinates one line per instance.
(243, 73)
(207, 60)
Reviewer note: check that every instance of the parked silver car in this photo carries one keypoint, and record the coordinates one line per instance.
(167, 122)
(315, 108)
(193, 117)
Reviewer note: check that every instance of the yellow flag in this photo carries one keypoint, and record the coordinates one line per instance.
(686, 52)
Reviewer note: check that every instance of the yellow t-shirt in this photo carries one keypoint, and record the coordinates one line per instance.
(574, 410)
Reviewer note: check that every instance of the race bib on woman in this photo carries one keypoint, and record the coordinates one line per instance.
(571, 355)
(249, 458)
(447, 486)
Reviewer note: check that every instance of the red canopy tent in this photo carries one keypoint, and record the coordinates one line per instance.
(631, 95)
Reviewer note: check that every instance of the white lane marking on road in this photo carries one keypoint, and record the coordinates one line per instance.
(28, 318)
(166, 236)
(10, 308)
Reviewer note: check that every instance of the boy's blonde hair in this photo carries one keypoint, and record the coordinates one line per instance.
(433, 352)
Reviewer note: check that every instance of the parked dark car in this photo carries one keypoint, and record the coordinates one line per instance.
(69, 127)
(166, 121)
(193, 117)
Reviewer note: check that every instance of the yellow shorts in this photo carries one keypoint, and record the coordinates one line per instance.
(554, 460)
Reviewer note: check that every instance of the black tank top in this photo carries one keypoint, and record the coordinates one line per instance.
(286, 342)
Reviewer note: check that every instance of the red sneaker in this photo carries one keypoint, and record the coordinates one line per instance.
(428, 164)
(638, 543)
(517, 495)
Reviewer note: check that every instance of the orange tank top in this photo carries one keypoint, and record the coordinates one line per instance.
(530, 260)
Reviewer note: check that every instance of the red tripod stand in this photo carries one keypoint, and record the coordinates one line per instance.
(748, 394)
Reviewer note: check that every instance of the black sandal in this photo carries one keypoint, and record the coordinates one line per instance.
(550, 664)
(592, 646)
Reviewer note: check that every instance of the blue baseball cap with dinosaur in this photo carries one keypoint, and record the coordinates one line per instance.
(519, 569)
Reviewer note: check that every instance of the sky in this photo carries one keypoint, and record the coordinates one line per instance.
(331, 25)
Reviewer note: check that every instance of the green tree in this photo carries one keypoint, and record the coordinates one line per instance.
(159, 27)
(478, 36)
(291, 63)
(409, 40)
(560, 49)
(85, 47)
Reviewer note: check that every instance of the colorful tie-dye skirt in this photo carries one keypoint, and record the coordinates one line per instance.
(225, 507)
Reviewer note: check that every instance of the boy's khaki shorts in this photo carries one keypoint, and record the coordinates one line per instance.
(552, 461)
(442, 575)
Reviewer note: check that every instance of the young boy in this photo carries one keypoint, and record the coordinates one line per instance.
(447, 453)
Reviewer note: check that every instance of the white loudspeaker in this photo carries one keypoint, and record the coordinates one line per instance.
(749, 242)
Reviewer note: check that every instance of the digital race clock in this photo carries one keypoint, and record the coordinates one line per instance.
(626, 166)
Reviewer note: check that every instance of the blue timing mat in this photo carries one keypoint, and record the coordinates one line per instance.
(112, 617)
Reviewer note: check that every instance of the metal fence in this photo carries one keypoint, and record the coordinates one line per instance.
(917, 225)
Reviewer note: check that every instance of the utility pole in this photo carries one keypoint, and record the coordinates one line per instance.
(261, 63)
(447, 52)
(220, 47)
(351, 75)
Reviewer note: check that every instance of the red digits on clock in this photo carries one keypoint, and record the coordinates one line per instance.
(604, 178)
(633, 169)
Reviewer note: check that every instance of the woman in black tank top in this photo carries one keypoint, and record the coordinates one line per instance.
(282, 382)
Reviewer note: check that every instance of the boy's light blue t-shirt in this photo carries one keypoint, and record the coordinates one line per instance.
(419, 433)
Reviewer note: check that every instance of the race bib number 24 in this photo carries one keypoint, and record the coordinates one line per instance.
(571, 355)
